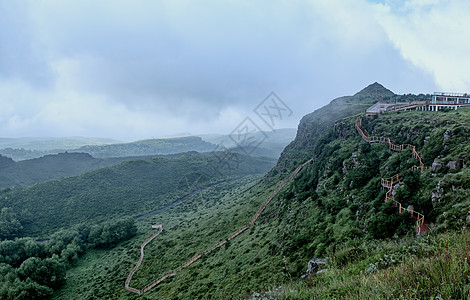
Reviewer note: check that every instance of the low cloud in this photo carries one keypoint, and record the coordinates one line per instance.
(137, 69)
(433, 36)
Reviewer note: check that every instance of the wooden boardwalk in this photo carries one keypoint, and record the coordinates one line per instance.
(389, 183)
(209, 250)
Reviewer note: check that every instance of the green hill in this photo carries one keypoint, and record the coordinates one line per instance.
(130, 188)
(29, 148)
(48, 144)
(273, 143)
(54, 166)
(150, 147)
(314, 125)
(334, 208)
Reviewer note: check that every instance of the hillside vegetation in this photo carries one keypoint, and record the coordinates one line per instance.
(334, 208)
(107, 149)
(130, 188)
(54, 166)
(150, 147)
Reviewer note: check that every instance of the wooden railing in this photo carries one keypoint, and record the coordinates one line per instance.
(209, 250)
(394, 147)
(389, 183)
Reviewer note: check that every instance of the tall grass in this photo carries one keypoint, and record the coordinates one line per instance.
(442, 272)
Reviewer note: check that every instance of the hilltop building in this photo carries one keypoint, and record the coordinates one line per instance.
(437, 102)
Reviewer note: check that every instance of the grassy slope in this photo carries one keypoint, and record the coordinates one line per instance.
(150, 147)
(188, 228)
(32, 171)
(299, 224)
(127, 189)
(432, 267)
(315, 124)
(325, 211)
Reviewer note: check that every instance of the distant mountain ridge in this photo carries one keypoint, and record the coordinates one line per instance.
(53, 166)
(272, 145)
(126, 189)
(47, 143)
(150, 147)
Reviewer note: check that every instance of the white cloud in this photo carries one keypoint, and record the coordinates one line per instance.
(136, 69)
(433, 35)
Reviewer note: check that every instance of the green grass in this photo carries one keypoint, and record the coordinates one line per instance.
(425, 268)
(191, 227)
(128, 189)
(333, 208)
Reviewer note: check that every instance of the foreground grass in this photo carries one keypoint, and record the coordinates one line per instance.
(433, 267)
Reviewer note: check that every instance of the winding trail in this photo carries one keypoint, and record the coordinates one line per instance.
(421, 227)
(209, 250)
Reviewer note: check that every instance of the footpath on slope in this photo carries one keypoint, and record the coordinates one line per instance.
(218, 245)
(421, 227)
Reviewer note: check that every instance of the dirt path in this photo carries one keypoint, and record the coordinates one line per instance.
(219, 244)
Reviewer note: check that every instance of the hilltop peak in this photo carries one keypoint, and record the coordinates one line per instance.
(375, 89)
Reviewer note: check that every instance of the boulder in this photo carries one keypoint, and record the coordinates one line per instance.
(436, 166)
(455, 164)
(313, 266)
(447, 136)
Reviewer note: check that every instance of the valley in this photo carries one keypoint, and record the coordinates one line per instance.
(247, 231)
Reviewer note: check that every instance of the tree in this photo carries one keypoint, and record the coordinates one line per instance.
(49, 272)
(9, 223)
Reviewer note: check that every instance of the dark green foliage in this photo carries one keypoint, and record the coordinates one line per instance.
(314, 125)
(28, 172)
(32, 270)
(150, 147)
(49, 272)
(127, 189)
(109, 234)
(9, 223)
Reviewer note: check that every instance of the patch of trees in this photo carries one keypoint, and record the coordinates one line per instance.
(9, 223)
(32, 269)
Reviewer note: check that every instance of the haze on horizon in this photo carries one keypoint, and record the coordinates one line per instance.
(131, 70)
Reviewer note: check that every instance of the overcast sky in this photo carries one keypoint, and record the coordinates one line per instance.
(140, 69)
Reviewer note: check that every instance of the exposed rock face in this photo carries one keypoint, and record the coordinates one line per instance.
(436, 166)
(437, 195)
(447, 136)
(313, 266)
(410, 208)
(455, 164)
(350, 163)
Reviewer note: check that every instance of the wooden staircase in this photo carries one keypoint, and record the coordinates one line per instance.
(389, 183)
(209, 250)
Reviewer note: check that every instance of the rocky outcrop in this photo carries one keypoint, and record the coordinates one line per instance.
(436, 166)
(437, 195)
(455, 164)
(447, 136)
(313, 266)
